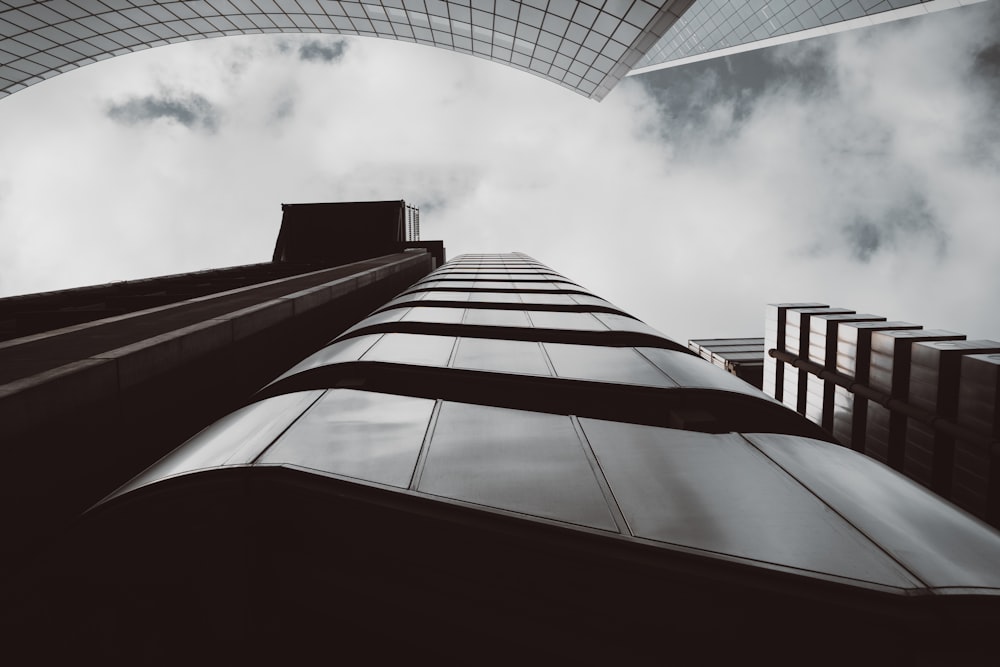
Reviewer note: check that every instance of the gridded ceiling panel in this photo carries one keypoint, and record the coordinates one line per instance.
(585, 46)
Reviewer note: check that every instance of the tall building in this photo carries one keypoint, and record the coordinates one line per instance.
(498, 463)
(922, 401)
(717, 28)
(586, 46)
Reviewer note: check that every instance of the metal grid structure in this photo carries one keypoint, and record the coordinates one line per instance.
(717, 27)
(585, 46)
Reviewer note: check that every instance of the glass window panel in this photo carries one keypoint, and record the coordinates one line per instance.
(940, 543)
(606, 24)
(563, 8)
(640, 14)
(436, 315)
(626, 33)
(445, 295)
(495, 297)
(336, 353)
(459, 284)
(690, 371)
(540, 297)
(503, 356)
(383, 317)
(555, 24)
(524, 462)
(365, 435)
(496, 318)
(550, 42)
(715, 492)
(625, 323)
(606, 364)
(572, 321)
(237, 438)
(588, 300)
(531, 16)
(406, 348)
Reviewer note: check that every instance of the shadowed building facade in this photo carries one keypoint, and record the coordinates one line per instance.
(497, 462)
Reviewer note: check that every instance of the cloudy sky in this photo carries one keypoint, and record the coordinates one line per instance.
(861, 169)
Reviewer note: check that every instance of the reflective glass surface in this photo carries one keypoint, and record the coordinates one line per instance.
(501, 356)
(369, 436)
(497, 318)
(386, 316)
(336, 353)
(405, 348)
(524, 462)
(938, 542)
(712, 25)
(690, 371)
(568, 321)
(625, 323)
(716, 493)
(605, 364)
(494, 297)
(238, 438)
(582, 47)
(431, 314)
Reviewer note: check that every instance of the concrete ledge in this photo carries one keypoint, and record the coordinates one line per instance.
(255, 319)
(314, 297)
(148, 358)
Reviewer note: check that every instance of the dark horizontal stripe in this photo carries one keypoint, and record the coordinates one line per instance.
(693, 409)
(538, 335)
(420, 287)
(486, 305)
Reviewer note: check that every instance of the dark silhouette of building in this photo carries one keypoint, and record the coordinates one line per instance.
(497, 465)
(923, 401)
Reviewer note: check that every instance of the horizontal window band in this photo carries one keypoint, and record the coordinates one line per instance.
(692, 409)
(538, 335)
(486, 305)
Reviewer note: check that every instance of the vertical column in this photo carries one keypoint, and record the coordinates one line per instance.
(976, 473)
(854, 348)
(889, 373)
(823, 328)
(935, 377)
(797, 343)
(774, 339)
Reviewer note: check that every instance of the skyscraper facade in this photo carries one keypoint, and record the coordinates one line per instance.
(922, 401)
(716, 28)
(586, 46)
(497, 461)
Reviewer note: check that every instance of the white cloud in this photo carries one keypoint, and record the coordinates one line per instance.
(691, 230)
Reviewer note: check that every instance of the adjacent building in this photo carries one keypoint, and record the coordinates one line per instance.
(717, 28)
(742, 357)
(922, 401)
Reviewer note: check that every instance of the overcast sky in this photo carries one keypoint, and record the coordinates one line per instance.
(861, 169)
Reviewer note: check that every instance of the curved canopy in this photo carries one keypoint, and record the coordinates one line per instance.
(585, 46)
